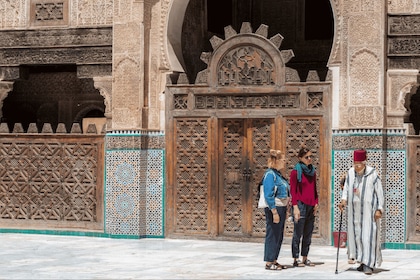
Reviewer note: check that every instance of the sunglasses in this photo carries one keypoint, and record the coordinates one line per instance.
(309, 157)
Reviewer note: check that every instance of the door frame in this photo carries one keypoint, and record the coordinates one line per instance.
(292, 100)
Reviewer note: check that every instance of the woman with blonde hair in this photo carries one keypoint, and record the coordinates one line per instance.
(276, 194)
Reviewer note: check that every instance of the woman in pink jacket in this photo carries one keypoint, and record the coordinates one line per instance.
(304, 206)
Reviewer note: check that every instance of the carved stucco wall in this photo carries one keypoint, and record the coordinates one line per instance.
(361, 70)
(15, 14)
(403, 6)
(403, 46)
(400, 84)
(139, 64)
(358, 54)
(145, 38)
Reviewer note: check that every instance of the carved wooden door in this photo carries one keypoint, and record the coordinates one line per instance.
(244, 145)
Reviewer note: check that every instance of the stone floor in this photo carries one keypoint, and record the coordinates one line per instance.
(37, 256)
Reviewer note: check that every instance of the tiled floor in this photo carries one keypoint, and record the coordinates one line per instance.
(36, 256)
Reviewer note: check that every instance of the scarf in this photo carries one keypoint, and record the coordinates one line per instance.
(300, 167)
(308, 170)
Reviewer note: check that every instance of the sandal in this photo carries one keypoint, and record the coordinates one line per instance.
(281, 266)
(308, 263)
(273, 266)
(298, 263)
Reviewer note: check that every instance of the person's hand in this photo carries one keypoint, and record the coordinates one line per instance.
(378, 215)
(342, 181)
(342, 205)
(276, 216)
(296, 213)
(316, 209)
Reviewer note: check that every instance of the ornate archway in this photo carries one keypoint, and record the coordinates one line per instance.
(220, 129)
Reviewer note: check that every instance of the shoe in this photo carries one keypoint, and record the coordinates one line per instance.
(351, 261)
(367, 270)
(298, 263)
(273, 266)
(308, 263)
(281, 266)
(360, 268)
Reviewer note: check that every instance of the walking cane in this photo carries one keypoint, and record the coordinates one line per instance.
(339, 241)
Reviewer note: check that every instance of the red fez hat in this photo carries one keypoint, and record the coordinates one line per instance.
(359, 155)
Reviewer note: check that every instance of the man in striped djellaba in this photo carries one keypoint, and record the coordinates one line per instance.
(364, 198)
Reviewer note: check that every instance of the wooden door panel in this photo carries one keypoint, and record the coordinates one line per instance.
(232, 180)
(265, 136)
(217, 164)
(191, 174)
(246, 143)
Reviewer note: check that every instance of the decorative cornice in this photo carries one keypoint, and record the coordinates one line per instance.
(49, 38)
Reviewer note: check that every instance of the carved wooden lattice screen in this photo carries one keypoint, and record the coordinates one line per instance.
(262, 128)
(233, 212)
(191, 161)
(51, 182)
(246, 144)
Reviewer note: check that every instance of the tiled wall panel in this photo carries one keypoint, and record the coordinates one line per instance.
(134, 185)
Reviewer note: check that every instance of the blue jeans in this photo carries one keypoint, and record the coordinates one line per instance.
(273, 234)
(304, 227)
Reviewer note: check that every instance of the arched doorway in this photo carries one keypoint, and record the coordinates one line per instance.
(220, 129)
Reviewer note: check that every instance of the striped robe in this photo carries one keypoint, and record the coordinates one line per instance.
(364, 197)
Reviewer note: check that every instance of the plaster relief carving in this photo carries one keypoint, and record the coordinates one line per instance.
(57, 38)
(364, 30)
(13, 13)
(352, 6)
(395, 121)
(9, 73)
(344, 117)
(92, 12)
(365, 116)
(399, 6)
(57, 56)
(400, 86)
(335, 56)
(123, 118)
(104, 85)
(404, 46)
(364, 78)
(164, 61)
(126, 86)
(5, 89)
(404, 24)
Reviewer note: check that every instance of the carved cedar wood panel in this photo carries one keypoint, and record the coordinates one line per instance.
(243, 164)
(191, 190)
(51, 182)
